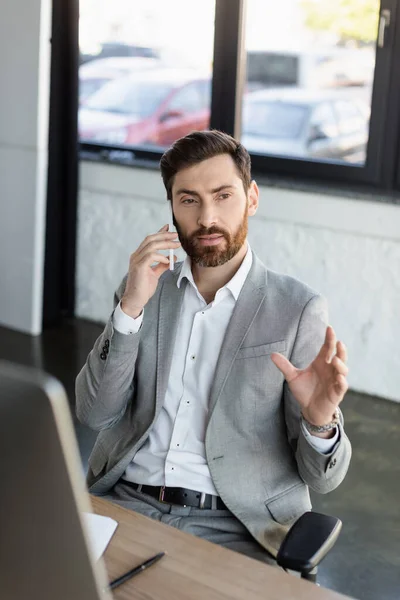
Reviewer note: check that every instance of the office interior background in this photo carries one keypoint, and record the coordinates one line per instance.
(92, 94)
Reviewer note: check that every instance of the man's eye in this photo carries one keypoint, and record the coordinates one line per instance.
(224, 196)
(188, 200)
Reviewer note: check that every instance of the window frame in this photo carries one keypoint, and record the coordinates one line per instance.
(382, 168)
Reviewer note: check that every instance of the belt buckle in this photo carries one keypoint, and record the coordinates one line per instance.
(161, 494)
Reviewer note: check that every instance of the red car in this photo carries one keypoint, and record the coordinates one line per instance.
(154, 107)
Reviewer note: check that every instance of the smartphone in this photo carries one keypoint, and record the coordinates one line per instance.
(171, 250)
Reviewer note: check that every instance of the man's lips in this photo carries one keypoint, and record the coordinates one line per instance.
(210, 240)
(207, 237)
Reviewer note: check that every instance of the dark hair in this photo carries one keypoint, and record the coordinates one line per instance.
(199, 146)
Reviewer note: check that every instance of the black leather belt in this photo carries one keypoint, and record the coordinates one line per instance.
(180, 496)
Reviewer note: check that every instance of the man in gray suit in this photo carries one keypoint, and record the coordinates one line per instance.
(215, 387)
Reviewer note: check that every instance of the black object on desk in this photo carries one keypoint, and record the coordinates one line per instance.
(136, 570)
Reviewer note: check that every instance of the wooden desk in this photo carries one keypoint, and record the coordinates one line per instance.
(193, 569)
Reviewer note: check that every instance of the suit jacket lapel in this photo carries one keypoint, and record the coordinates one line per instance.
(247, 306)
(171, 298)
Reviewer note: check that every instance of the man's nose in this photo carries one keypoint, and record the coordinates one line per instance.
(207, 217)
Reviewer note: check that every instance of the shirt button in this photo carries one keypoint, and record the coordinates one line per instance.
(193, 357)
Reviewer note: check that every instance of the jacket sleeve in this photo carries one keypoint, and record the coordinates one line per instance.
(104, 386)
(321, 472)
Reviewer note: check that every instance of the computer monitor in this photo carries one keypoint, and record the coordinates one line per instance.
(44, 548)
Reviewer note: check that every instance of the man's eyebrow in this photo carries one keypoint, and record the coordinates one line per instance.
(185, 191)
(214, 191)
(223, 187)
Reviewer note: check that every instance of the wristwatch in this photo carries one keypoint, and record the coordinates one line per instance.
(322, 428)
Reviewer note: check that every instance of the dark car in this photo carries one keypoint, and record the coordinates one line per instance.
(306, 124)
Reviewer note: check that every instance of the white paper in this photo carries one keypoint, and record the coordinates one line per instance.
(100, 530)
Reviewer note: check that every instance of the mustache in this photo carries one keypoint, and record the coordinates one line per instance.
(208, 231)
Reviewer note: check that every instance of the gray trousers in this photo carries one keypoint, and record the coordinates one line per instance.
(217, 526)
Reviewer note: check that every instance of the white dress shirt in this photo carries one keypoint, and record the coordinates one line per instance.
(174, 453)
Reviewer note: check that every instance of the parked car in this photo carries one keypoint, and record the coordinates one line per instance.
(94, 74)
(306, 123)
(108, 49)
(153, 107)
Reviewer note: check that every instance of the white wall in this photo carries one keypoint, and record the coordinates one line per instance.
(25, 31)
(348, 250)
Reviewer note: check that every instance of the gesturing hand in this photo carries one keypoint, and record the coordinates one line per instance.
(320, 387)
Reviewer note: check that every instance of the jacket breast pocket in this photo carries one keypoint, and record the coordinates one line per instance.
(254, 351)
(288, 506)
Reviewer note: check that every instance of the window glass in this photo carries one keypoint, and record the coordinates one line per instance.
(129, 96)
(187, 99)
(350, 119)
(137, 61)
(205, 91)
(87, 87)
(309, 57)
(323, 119)
(272, 119)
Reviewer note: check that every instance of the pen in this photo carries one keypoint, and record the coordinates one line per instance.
(136, 570)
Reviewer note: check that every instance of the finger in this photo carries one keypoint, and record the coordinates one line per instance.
(341, 351)
(328, 349)
(161, 268)
(154, 257)
(164, 228)
(165, 236)
(160, 235)
(158, 245)
(341, 386)
(339, 365)
(286, 368)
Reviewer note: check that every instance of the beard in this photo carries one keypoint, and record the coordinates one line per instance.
(213, 256)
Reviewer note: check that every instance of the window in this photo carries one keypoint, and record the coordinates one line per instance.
(350, 117)
(129, 96)
(318, 98)
(143, 70)
(187, 100)
(270, 118)
(87, 87)
(323, 120)
(311, 59)
(205, 93)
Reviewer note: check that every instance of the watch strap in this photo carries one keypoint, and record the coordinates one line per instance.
(322, 428)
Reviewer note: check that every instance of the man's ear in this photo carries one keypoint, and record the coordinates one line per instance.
(252, 198)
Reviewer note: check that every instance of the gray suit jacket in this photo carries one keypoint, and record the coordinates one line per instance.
(260, 461)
